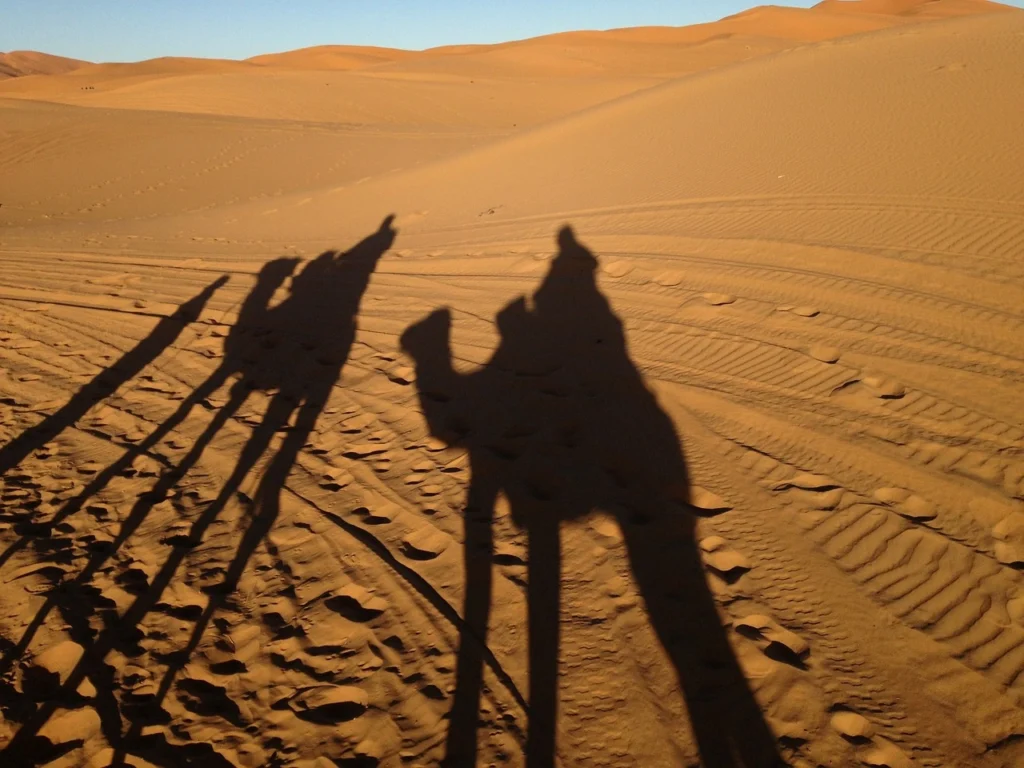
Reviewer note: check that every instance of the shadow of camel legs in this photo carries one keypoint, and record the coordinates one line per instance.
(240, 352)
(561, 421)
(107, 381)
(296, 351)
(104, 384)
(237, 350)
(478, 554)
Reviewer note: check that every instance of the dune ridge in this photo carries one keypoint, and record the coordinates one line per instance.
(22, 63)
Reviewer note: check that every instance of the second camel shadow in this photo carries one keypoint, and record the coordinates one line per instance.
(294, 352)
(561, 422)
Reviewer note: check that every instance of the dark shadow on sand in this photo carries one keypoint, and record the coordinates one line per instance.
(561, 421)
(295, 352)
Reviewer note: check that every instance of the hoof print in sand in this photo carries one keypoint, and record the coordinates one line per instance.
(609, 531)
(815, 491)
(878, 752)
(241, 646)
(72, 726)
(824, 353)
(182, 601)
(885, 754)
(883, 388)
(852, 727)
(726, 562)
(403, 375)
(52, 667)
(706, 503)
(617, 268)
(776, 642)
(379, 515)
(1009, 539)
(330, 703)
(807, 482)
(802, 310)
(509, 554)
(719, 299)
(356, 603)
(364, 450)
(424, 544)
(907, 504)
(669, 279)
(335, 479)
(431, 490)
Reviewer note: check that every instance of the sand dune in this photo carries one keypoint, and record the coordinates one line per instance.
(342, 57)
(620, 60)
(936, 9)
(22, 63)
(672, 419)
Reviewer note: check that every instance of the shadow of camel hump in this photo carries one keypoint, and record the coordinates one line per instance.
(294, 351)
(560, 421)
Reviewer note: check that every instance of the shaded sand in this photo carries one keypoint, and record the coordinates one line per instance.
(673, 418)
(24, 63)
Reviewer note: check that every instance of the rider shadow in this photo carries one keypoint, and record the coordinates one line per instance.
(294, 351)
(561, 422)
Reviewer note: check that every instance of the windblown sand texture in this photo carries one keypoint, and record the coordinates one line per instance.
(649, 397)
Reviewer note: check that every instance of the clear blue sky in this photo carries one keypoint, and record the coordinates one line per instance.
(130, 30)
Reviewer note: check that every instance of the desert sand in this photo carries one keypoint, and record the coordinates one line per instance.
(649, 397)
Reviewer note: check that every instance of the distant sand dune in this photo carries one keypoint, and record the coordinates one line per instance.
(21, 63)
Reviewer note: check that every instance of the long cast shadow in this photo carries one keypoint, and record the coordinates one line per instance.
(561, 422)
(107, 381)
(295, 351)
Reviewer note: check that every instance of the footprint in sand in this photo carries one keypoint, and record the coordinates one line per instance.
(431, 490)
(706, 502)
(858, 730)
(719, 299)
(885, 754)
(425, 544)
(883, 387)
(824, 353)
(330, 703)
(356, 603)
(722, 559)
(812, 491)
(403, 375)
(852, 727)
(907, 504)
(334, 479)
(669, 279)
(364, 450)
(381, 514)
(775, 641)
(802, 310)
(617, 268)
(1009, 539)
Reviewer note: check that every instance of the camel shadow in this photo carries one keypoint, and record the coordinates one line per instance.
(560, 421)
(294, 352)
